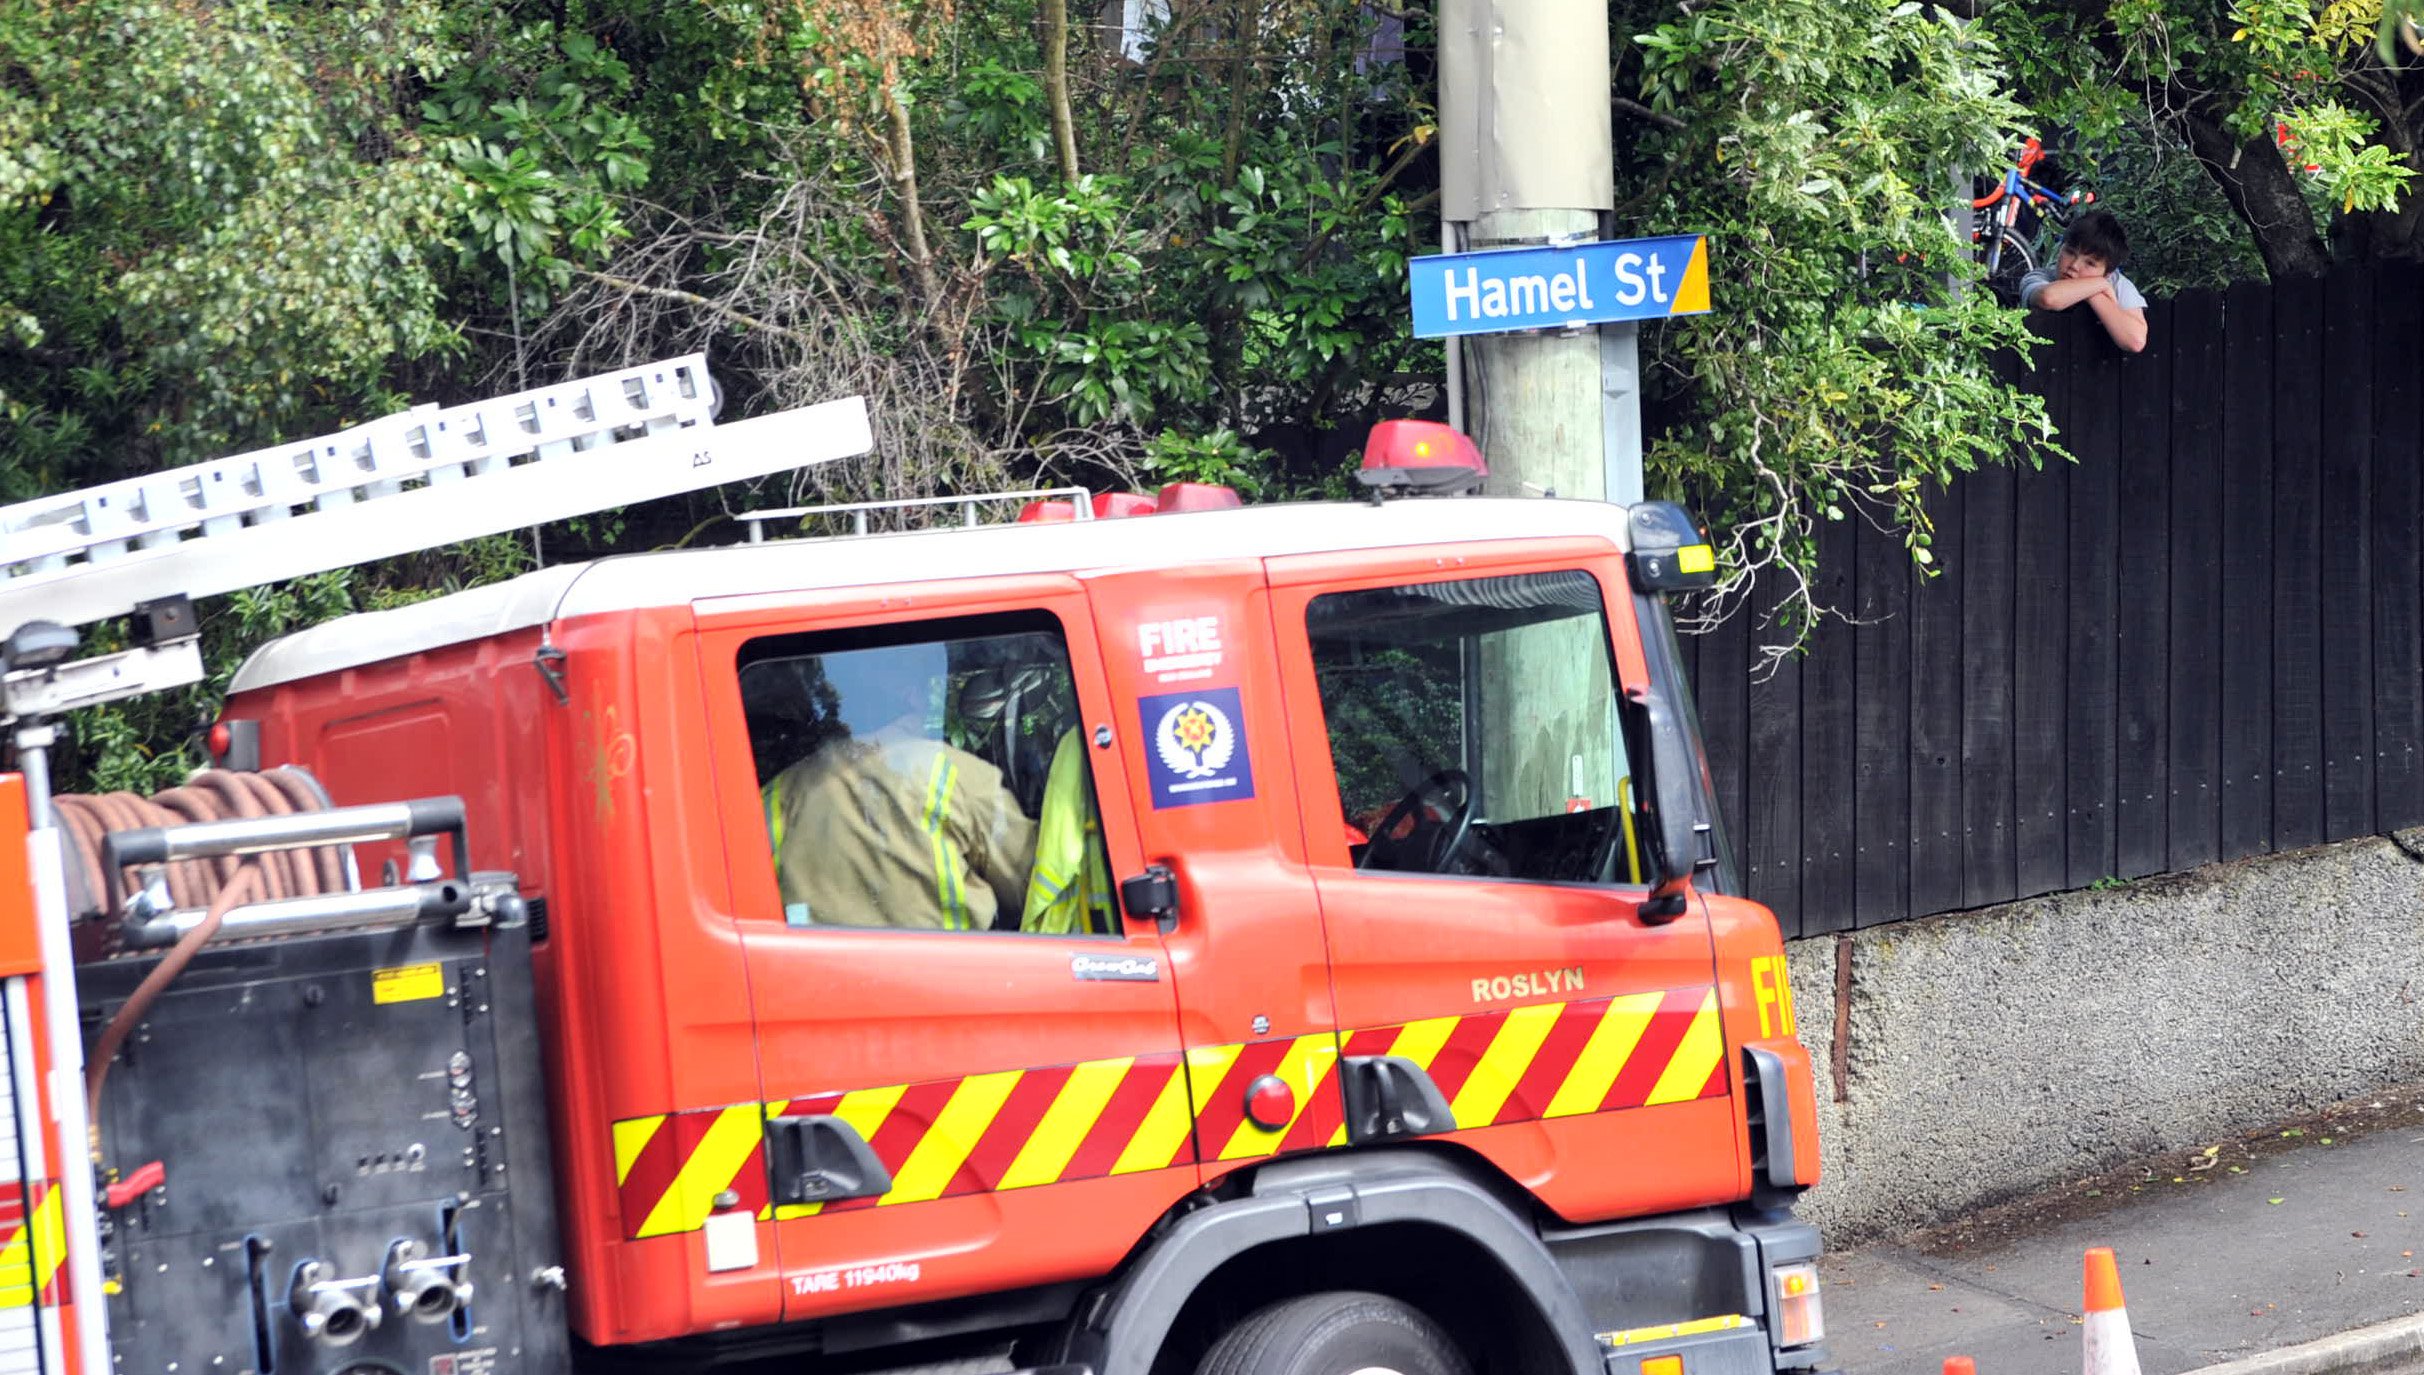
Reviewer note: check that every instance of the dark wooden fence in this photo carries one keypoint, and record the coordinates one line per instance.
(2198, 642)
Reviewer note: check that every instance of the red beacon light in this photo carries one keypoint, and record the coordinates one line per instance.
(1420, 458)
(1114, 505)
(1197, 496)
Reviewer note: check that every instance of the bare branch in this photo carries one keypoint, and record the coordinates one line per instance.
(1643, 112)
(687, 298)
(1056, 85)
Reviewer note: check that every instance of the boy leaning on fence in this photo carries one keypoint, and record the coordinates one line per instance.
(2089, 270)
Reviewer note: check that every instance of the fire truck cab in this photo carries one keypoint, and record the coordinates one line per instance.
(1291, 938)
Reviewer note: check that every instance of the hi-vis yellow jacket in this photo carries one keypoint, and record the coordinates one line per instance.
(1070, 890)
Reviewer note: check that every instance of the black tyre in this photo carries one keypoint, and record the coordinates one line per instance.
(1342, 1333)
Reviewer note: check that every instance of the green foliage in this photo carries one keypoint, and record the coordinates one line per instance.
(530, 124)
(2313, 87)
(1219, 457)
(2182, 234)
(215, 226)
(1843, 369)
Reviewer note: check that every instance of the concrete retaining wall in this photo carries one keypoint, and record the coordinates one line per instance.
(1995, 1051)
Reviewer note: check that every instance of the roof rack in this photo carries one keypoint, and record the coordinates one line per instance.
(858, 511)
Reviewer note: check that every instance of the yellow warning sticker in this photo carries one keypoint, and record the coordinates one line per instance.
(407, 983)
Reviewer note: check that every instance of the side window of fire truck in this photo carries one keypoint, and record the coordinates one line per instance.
(927, 776)
(1476, 728)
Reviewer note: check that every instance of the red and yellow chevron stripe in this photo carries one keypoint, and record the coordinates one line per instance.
(1015, 1129)
(34, 1250)
(1006, 1130)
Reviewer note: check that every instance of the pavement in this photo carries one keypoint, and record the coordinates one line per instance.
(2289, 1251)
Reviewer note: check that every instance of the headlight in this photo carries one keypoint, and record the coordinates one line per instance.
(1799, 1320)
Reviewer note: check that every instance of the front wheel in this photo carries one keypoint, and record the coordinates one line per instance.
(1340, 1333)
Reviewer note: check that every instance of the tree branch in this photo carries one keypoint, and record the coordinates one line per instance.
(913, 211)
(1643, 112)
(2259, 187)
(716, 308)
(1056, 85)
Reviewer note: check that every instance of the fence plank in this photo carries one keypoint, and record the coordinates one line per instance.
(1987, 851)
(2344, 565)
(2196, 623)
(1773, 801)
(1936, 709)
(2041, 601)
(2398, 581)
(2297, 548)
(1828, 689)
(2142, 643)
(1721, 693)
(2091, 688)
(1881, 728)
(2247, 570)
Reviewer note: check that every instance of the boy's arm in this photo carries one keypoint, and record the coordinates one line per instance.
(2064, 292)
(2126, 324)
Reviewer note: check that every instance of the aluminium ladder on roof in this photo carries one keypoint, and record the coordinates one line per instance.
(376, 458)
(420, 479)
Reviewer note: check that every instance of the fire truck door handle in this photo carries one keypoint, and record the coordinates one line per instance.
(820, 1159)
(1151, 896)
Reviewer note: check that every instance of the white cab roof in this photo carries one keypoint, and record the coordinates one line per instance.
(630, 581)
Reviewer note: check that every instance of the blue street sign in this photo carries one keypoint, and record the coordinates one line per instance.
(1546, 288)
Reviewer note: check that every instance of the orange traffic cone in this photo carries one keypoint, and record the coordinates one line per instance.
(2110, 1349)
(1960, 1365)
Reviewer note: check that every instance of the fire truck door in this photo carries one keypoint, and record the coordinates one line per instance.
(1472, 779)
(961, 1041)
(1197, 711)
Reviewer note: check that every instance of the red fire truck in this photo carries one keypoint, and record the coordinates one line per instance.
(1145, 935)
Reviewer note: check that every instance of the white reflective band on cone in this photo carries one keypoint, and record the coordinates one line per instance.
(2110, 1350)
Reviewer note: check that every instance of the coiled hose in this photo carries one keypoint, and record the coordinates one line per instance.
(210, 795)
(219, 884)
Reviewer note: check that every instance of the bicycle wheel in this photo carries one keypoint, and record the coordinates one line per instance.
(2008, 259)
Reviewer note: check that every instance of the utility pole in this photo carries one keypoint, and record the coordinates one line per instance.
(1525, 159)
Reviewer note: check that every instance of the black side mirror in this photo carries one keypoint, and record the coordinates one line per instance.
(1671, 783)
(1670, 552)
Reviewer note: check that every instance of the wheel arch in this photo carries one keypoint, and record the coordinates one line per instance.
(1409, 1222)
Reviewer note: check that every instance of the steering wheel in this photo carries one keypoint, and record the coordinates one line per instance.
(1459, 823)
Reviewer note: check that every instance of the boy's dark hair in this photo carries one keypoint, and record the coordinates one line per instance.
(2097, 232)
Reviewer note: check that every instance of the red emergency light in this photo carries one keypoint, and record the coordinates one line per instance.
(1422, 457)
(1113, 505)
(1197, 496)
(1173, 498)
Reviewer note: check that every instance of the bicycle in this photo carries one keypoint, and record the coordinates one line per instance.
(2009, 254)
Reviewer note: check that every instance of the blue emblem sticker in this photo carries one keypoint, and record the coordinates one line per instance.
(1198, 747)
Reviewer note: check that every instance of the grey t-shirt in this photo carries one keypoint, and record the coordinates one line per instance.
(2124, 291)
